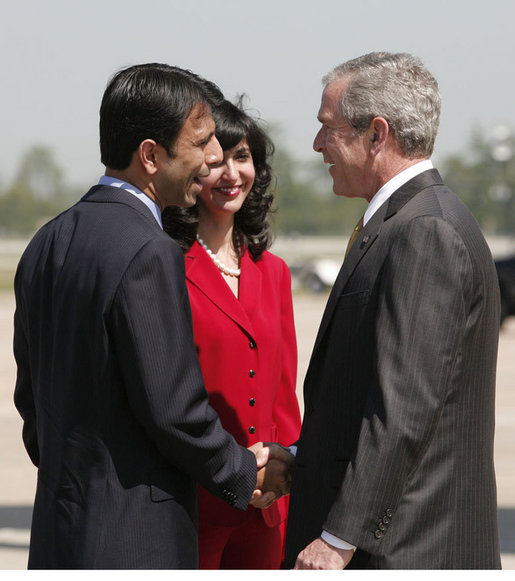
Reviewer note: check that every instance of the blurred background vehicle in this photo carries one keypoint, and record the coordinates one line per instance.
(316, 276)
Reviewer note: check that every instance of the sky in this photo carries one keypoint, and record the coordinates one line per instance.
(57, 57)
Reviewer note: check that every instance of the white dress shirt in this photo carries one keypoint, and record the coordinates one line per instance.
(151, 205)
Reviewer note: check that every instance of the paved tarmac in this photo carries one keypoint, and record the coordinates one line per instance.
(17, 475)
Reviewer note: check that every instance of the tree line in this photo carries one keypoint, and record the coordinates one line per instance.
(483, 176)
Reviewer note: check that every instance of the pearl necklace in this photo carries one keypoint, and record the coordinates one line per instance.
(219, 264)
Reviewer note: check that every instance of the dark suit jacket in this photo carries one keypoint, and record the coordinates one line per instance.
(395, 454)
(116, 416)
(248, 356)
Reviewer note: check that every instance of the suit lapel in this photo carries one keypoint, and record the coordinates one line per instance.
(361, 246)
(250, 286)
(410, 189)
(202, 272)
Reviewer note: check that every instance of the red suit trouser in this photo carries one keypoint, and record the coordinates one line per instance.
(251, 545)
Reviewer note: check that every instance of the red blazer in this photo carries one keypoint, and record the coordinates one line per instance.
(248, 356)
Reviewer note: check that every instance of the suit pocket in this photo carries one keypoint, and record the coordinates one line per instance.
(80, 495)
(351, 322)
(169, 484)
(353, 299)
(83, 467)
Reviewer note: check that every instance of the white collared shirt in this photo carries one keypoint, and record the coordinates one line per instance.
(151, 205)
(393, 185)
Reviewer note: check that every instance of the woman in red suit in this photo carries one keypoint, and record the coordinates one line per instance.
(243, 326)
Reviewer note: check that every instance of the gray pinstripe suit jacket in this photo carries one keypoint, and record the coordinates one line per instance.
(116, 417)
(396, 449)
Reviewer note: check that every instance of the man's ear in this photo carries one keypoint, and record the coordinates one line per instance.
(378, 133)
(148, 156)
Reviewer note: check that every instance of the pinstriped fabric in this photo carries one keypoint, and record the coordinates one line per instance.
(115, 412)
(395, 453)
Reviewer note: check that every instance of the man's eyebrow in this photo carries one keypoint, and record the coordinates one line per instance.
(204, 138)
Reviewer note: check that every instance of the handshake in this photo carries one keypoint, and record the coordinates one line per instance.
(274, 464)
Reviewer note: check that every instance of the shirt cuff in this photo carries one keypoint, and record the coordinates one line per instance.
(337, 542)
(293, 450)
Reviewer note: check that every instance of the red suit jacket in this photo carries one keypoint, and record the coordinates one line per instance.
(248, 356)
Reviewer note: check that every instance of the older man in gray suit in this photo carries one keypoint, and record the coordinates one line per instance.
(395, 460)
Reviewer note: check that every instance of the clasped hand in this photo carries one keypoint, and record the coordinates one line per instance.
(274, 464)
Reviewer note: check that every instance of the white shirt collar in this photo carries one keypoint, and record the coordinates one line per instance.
(151, 205)
(394, 184)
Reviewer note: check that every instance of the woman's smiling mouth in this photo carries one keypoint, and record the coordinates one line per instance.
(231, 191)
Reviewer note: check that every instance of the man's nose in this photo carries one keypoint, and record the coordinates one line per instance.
(214, 153)
(318, 142)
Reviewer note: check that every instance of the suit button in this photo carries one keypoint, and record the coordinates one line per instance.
(252, 430)
(378, 534)
(252, 345)
(389, 512)
(386, 520)
(381, 526)
(230, 497)
(252, 402)
(252, 373)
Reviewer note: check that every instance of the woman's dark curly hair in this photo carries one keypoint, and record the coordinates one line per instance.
(251, 226)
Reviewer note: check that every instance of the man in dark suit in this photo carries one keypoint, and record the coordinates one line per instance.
(116, 417)
(394, 464)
